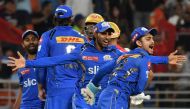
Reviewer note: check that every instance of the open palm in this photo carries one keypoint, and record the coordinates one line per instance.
(16, 63)
(176, 59)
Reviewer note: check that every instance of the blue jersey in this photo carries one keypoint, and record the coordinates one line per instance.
(90, 60)
(59, 41)
(87, 56)
(133, 69)
(29, 84)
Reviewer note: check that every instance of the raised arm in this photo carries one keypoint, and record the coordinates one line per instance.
(158, 59)
(173, 58)
(51, 61)
(42, 62)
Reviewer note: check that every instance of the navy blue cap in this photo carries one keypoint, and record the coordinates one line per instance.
(102, 26)
(30, 32)
(142, 31)
(63, 11)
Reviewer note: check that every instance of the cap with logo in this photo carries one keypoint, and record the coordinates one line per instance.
(116, 29)
(27, 32)
(94, 18)
(142, 31)
(102, 26)
(63, 11)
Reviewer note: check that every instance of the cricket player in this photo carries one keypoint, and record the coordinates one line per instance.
(28, 90)
(95, 18)
(92, 55)
(60, 79)
(115, 36)
(129, 75)
(59, 60)
(90, 22)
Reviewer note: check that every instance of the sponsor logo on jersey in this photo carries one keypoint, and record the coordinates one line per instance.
(90, 58)
(107, 58)
(25, 71)
(93, 70)
(70, 39)
(30, 82)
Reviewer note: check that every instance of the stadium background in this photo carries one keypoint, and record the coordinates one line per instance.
(171, 17)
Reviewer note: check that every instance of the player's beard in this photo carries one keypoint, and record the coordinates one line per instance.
(33, 50)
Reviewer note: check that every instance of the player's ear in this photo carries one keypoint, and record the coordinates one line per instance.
(139, 43)
(95, 34)
(22, 45)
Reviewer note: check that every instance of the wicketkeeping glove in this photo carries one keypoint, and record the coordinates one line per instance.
(138, 99)
(89, 93)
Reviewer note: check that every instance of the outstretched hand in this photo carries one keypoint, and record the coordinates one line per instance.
(176, 59)
(16, 63)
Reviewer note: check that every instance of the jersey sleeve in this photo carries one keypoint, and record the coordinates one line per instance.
(43, 51)
(105, 69)
(143, 75)
(43, 48)
(20, 78)
(159, 59)
(56, 60)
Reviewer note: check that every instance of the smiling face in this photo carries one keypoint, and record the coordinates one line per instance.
(103, 38)
(146, 43)
(30, 43)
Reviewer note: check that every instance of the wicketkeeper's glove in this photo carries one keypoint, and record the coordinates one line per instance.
(138, 99)
(89, 93)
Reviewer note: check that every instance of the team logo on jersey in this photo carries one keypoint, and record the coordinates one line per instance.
(25, 71)
(107, 58)
(91, 58)
(69, 39)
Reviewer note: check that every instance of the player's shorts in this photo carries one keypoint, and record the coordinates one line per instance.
(113, 98)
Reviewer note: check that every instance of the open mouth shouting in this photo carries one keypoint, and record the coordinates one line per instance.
(151, 48)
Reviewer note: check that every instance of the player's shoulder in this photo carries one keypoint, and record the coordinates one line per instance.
(47, 33)
(142, 60)
(78, 34)
(23, 71)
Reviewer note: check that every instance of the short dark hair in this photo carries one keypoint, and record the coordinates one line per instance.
(133, 45)
(61, 21)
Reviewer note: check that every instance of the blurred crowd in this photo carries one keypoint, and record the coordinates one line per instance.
(170, 17)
